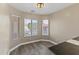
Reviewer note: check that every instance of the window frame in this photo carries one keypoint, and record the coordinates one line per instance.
(36, 28)
(42, 28)
(31, 26)
(24, 28)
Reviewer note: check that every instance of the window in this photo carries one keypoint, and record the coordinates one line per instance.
(44, 27)
(27, 27)
(34, 27)
(30, 27)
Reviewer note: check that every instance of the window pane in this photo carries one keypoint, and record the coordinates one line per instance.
(34, 27)
(45, 27)
(27, 27)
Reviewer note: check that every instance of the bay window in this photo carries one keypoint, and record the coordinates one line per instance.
(31, 27)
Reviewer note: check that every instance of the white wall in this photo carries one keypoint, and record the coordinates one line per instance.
(4, 29)
(4, 34)
(64, 24)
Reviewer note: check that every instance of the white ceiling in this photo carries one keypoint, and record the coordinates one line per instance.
(48, 9)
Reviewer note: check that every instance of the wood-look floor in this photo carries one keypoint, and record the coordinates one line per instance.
(39, 48)
(65, 48)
